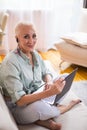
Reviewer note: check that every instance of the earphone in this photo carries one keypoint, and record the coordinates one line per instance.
(17, 40)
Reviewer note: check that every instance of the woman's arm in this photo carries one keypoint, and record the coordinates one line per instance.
(55, 88)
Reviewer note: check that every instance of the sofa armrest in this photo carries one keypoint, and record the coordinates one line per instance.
(7, 120)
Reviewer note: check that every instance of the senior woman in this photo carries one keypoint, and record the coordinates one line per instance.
(22, 72)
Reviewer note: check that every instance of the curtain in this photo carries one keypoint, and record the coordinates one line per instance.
(38, 18)
(52, 19)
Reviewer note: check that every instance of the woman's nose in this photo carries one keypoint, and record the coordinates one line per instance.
(31, 40)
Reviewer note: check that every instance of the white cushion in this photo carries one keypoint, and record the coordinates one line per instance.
(72, 53)
(77, 38)
(75, 119)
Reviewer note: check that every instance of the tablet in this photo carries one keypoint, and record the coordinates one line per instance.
(69, 79)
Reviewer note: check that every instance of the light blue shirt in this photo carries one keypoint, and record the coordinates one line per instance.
(17, 77)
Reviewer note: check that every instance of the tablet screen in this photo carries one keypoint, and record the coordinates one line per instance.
(69, 79)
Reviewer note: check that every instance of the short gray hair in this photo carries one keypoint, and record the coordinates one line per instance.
(22, 25)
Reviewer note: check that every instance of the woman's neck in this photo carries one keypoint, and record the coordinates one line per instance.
(29, 55)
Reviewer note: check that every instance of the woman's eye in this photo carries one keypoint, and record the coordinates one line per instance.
(34, 35)
(26, 36)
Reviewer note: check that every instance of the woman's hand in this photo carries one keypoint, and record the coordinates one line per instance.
(57, 86)
(48, 85)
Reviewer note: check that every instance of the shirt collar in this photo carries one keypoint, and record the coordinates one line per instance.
(25, 57)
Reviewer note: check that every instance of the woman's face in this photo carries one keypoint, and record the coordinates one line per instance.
(27, 39)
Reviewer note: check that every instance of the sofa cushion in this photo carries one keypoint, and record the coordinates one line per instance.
(7, 121)
(77, 38)
(75, 119)
(72, 53)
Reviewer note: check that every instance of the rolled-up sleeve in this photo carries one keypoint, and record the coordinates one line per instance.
(12, 82)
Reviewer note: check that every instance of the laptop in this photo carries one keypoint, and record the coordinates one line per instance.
(69, 79)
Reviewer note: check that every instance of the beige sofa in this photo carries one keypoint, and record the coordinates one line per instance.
(75, 119)
(72, 53)
(73, 46)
